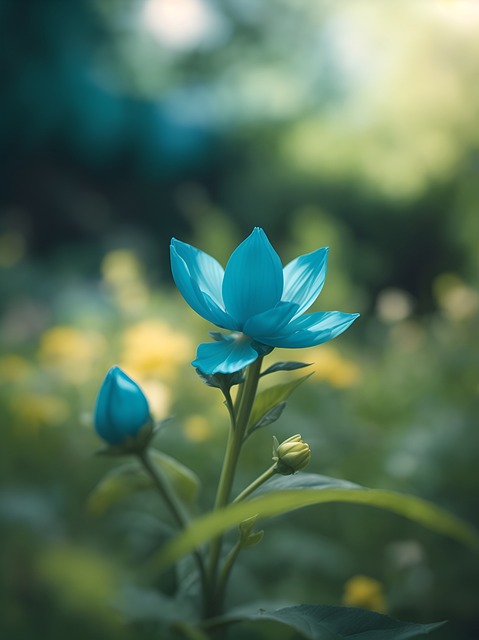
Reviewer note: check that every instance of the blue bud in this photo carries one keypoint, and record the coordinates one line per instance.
(121, 408)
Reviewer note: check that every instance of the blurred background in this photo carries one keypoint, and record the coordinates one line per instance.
(352, 124)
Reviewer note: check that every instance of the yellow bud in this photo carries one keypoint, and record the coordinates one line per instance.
(292, 455)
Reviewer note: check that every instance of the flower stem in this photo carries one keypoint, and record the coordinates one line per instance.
(269, 473)
(225, 573)
(244, 405)
(230, 407)
(175, 508)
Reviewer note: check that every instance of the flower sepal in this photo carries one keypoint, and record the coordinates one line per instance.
(132, 445)
(138, 443)
(223, 381)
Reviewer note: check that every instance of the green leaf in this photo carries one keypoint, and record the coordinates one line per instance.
(305, 481)
(285, 366)
(184, 481)
(269, 417)
(125, 480)
(269, 398)
(307, 490)
(322, 622)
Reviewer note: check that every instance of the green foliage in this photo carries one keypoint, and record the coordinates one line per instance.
(265, 406)
(284, 366)
(268, 418)
(125, 480)
(320, 622)
(309, 490)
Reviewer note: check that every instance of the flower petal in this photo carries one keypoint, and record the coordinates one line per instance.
(204, 269)
(304, 278)
(202, 300)
(270, 322)
(253, 280)
(312, 329)
(226, 356)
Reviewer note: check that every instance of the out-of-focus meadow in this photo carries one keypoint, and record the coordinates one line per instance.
(352, 124)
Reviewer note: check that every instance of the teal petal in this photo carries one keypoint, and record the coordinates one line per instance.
(226, 356)
(203, 269)
(271, 321)
(201, 291)
(121, 408)
(253, 280)
(312, 329)
(304, 279)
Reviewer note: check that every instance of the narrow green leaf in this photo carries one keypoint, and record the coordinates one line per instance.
(125, 480)
(269, 398)
(269, 417)
(285, 366)
(322, 622)
(319, 489)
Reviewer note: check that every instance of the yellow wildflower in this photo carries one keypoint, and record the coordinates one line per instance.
(152, 348)
(34, 410)
(70, 352)
(365, 592)
(328, 365)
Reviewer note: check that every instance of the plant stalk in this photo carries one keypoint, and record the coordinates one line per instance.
(269, 473)
(244, 405)
(176, 511)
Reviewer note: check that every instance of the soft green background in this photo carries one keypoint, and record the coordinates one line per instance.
(352, 124)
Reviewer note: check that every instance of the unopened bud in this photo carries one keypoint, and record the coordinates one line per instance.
(292, 455)
(122, 415)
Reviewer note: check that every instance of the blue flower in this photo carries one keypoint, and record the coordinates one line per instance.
(121, 409)
(262, 303)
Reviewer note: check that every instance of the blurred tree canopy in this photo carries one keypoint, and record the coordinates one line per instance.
(141, 120)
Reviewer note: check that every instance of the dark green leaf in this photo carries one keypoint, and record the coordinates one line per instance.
(269, 417)
(321, 622)
(305, 481)
(269, 398)
(285, 366)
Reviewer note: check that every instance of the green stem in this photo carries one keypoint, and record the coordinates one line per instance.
(269, 473)
(230, 406)
(243, 407)
(175, 508)
(225, 573)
